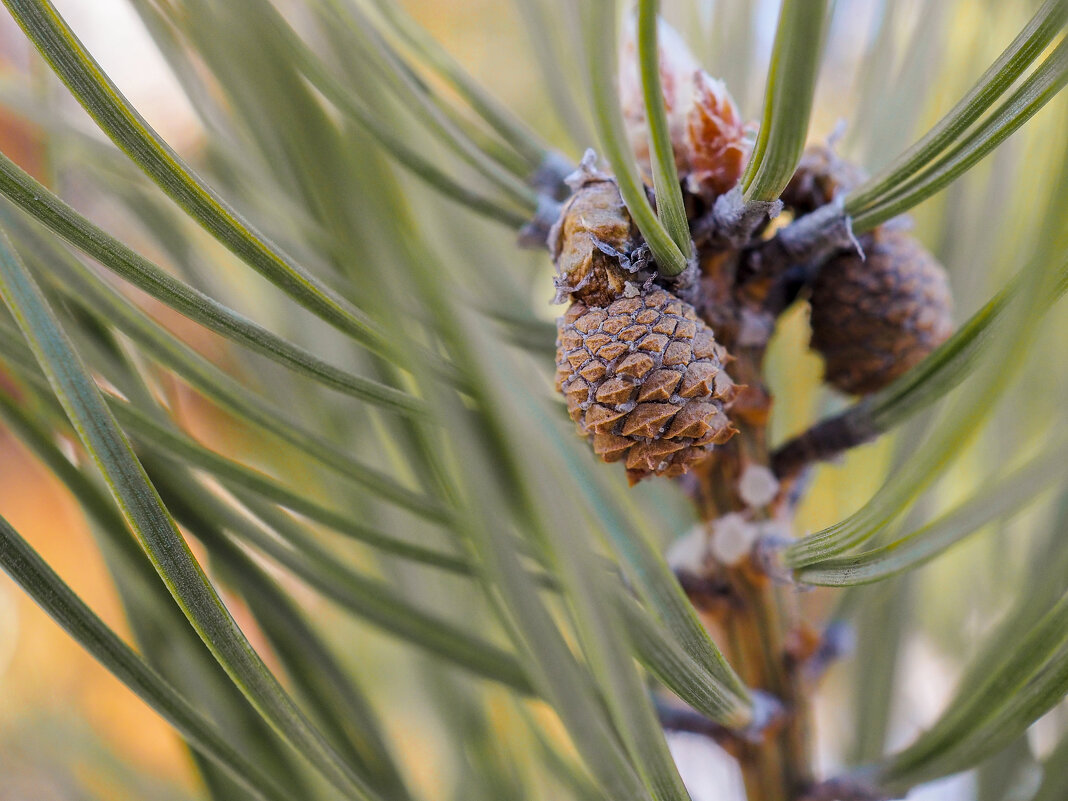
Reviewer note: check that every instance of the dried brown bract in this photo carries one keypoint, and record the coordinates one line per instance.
(592, 243)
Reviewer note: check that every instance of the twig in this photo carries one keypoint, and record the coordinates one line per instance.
(732, 222)
(535, 234)
(550, 178)
(680, 719)
(838, 641)
(808, 239)
(823, 441)
(705, 592)
(792, 258)
(768, 713)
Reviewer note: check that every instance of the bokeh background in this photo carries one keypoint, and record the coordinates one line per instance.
(70, 731)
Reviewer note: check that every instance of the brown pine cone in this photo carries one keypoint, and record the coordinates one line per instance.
(820, 177)
(874, 318)
(644, 381)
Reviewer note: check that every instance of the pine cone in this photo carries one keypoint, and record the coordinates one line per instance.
(874, 318)
(644, 381)
(820, 177)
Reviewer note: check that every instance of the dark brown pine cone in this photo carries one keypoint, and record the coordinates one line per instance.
(874, 318)
(644, 381)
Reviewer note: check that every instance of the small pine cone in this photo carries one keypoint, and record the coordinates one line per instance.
(820, 178)
(592, 241)
(644, 381)
(874, 318)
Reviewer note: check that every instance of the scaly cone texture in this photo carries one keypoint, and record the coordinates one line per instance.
(641, 372)
(874, 318)
(710, 140)
(644, 380)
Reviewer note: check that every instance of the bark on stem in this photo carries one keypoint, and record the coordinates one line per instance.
(762, 616)
(823, 441)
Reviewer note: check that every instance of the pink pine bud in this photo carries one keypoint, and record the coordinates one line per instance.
(710, 141)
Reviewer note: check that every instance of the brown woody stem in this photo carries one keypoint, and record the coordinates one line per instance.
(761, 618)
(823, 441)
(810, 239)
